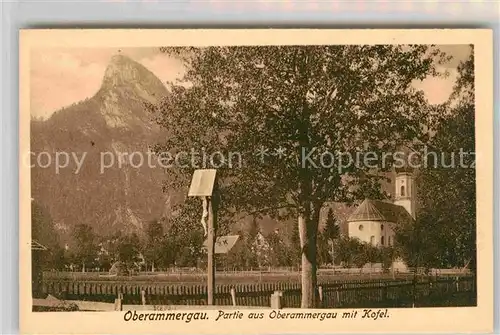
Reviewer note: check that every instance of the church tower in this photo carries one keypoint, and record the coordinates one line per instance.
(405, 194)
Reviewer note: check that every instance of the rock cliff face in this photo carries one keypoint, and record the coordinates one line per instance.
(108, 133)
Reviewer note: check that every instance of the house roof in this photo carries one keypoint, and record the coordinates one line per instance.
(35, 245)
(224, 244)
(376, 210)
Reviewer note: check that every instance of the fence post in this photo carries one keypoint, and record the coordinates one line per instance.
(233, 296)
(143, 297)
(384, 292)
(118, 302)
(457, 284)
(276, 299)
(320, 291)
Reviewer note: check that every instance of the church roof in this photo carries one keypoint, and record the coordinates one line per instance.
(376, 210)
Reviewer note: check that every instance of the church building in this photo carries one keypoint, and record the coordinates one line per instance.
(374, 220)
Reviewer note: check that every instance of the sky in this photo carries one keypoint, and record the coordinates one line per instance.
(61, 77)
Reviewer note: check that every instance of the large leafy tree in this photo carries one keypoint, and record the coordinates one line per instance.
(444, 234)
(241, 257)
(331, 232)
(44, 232)
(372, 253)
(153, 244)
(277, 254)
(85, 245)
(245, 257)
(128, 250)
(387, 256)
(349, 251)
(296, 106)
(323, 250)
(183, 241)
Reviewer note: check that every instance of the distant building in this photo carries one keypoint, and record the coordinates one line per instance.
(374, 220)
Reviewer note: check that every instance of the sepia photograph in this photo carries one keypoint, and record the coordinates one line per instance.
(293, 181)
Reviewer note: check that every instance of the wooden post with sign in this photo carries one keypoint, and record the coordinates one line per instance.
(211, 253)
(204, 185)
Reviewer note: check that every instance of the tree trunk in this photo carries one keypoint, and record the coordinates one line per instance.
(308, 229)
(333, 253)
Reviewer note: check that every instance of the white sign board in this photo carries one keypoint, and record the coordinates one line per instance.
(202, 184)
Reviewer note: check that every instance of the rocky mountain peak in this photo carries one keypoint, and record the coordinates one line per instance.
(124, 72)
(126, 86)
(114, 121)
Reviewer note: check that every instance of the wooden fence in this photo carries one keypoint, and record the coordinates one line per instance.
(199, 277)
(428, 291)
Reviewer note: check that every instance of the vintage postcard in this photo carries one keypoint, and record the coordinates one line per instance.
(256, 181)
